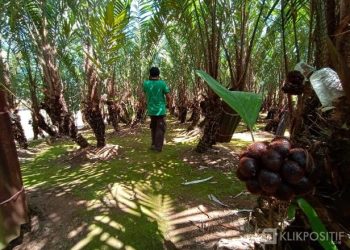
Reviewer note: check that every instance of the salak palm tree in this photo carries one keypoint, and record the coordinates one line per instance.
(36, 21)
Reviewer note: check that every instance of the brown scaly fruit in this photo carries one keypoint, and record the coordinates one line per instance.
(256, 150)
(299, 156)
(269, 181)
(281, 145)
(248, 167)
(272, 160)
(292, 172)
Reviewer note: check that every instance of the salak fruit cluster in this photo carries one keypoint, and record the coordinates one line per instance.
(276, 169)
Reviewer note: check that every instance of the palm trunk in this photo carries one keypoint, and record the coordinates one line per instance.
(322, 55)
(113, 107)
(38, 120)
(35, 126)
(124, 114)
(17, 128)
(113, 114)
(91, 110)
(343, 44)
(213, 104)
(13, 208)
(211, 123)
(140, 109)
(182, 102)
(196, 115)
(56, 107)
(18, 131)
(54, 102)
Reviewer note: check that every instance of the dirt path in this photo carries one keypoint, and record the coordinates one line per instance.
(136, 200)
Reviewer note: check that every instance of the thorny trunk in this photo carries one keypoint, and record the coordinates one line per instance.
(287, 116)
(212, 108)
(54, 102)
(16, 125)
(122, 105)
(171, 105)
(5, 77)
(17, 130)
(196, 114)
(13, 208)
(213, 104)
(36, 130)
(140, 109)
(338, 142)
(182, 102)
(113, 109)
(38, 120)
(197, 98)
(321, 53)
(124, 114)
(343, 45)
(91, 109)
(328, 129)
(35, 106)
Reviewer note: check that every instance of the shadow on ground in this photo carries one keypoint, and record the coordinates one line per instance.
(135, 201)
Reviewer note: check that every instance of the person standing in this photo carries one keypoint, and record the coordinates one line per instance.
(157, 97)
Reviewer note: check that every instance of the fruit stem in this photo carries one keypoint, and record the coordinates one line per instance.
(251, 133)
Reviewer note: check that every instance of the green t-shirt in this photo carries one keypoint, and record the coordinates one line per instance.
(155, 93)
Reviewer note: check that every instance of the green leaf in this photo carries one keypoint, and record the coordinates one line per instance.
(316, 224)
(109, 15)
(291, 211)
(246, 104)
(121, 18)
(66, 29)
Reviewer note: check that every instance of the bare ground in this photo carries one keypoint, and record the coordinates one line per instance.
(58, 222)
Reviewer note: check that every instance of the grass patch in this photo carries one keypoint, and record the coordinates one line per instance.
(155, 178)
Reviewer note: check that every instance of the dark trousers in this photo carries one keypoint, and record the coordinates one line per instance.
(158, 127)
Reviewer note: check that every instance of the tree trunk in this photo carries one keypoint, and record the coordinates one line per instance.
(140, 109)
(13, 206)
(36, 129)
(38, 119)
(17, 130)
(182, 102)
(113, 114)
(16, 125)
(196, 115)
(322, 55)
(124, 114)
(171, 105)
(113, 108)
(211, 123)
(213, 104)
(54, 102)
(343, 45)
(91, 107)
(94, 118)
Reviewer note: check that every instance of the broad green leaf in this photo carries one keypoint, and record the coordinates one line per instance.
(66, 28)
(120, 18)
(316, 224)
(246, 104)
(109, 15)
(291, 211)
